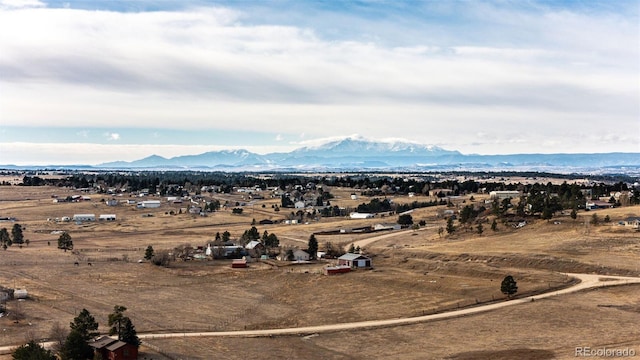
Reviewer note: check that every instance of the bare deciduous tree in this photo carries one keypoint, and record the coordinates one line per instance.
(58, 334)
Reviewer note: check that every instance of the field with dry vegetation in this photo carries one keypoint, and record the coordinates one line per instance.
(416, 272)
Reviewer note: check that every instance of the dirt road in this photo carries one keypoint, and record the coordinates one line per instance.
(587, 281)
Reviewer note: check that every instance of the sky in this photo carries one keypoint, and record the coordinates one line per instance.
(87, 82)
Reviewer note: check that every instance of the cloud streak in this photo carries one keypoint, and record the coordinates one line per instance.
(439, 70)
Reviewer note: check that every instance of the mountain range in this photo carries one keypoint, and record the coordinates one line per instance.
(354, 153)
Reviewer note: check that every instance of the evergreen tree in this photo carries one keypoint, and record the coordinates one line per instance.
(494, 225)
(65, 242)
(574, 214)
(85, 325)
(405, 219)
(272, 241)
(76, 347)
(226, 236)
(5, 239)
(32, 351)
(352, 249)
(450, 228)
(129, 334)
(594, 219)
(122, 326)
(16, 234)
(148, 254)
(480, 230)
(312, 247)
(116, 321)
(509, 286)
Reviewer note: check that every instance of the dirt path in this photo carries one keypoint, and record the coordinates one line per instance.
(587, 281)
(368, 241)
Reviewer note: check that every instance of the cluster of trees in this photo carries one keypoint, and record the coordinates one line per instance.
(73, 343)
(179, 182)
(16, 236)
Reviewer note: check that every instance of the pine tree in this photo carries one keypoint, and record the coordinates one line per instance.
(16, 234)
(65, 242)
(148, 254)
(509, 286)
(574, 214)
(85, 324)
(5, 239)
(116, 322)
(450, 228)
(128, 333)
(32, 351)
(312, 247)
(480, 229)
(494, 225)
(76, 347)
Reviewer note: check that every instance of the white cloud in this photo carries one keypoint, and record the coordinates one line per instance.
(22, 153)
(20, 4)
(113, 136)
(279, 137)
(207, 68)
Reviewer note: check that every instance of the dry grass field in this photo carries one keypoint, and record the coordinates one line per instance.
(416, 272)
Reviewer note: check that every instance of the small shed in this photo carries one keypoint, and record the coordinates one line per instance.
(334, 270)
(239, 263)
(355, 261)
(20, 294)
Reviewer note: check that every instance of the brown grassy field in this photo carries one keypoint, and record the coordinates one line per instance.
(415, 272)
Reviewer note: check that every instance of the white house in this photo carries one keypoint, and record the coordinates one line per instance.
(500, 195)
(107, 217)
(84, 217)
(300, 255)
(387, 226)
(356, 215)
(149, 204)
(111, 202)
(355, 260)
(299, 205)
(633, 222)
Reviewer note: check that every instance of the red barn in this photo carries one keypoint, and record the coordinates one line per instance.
(112, 349)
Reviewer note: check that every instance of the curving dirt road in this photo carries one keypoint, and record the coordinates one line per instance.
(587, 281)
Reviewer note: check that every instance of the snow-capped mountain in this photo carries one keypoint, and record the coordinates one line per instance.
(360, 153)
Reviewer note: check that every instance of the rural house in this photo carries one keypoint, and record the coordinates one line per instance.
(255, 248)
(84, 217)
(356, 215)
(387, 226)
(633, 222)
(300, 255)
(112, 349)
(355, 260)
(107, 217)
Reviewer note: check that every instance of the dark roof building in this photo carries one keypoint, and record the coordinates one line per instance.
(355, 260)
(113, 349)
